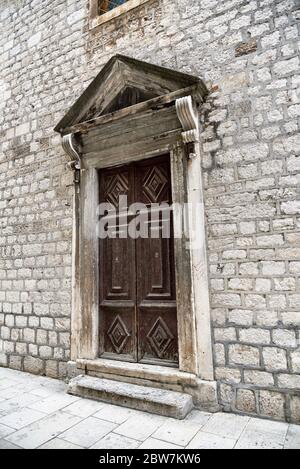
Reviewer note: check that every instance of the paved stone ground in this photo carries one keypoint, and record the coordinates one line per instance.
(35, 412)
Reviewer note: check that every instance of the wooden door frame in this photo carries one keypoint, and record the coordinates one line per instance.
(147, 135)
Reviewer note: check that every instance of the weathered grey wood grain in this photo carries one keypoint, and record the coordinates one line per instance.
(88, 262)
(150, 105)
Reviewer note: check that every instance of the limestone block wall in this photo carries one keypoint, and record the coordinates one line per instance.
(247, 51)
(42, 63)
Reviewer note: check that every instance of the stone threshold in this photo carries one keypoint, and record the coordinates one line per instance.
(139, 371)
(142, 398)
(203, 393)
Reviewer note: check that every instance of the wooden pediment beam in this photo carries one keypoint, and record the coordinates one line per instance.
(151, 105)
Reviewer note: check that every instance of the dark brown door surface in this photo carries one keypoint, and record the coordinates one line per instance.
(138, 314)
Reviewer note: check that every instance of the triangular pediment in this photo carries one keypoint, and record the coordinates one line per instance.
(124, 82)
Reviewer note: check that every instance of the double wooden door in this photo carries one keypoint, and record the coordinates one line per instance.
(138, 314)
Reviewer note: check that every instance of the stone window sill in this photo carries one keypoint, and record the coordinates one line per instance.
(97, 20)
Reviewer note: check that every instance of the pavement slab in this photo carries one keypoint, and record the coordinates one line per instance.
(36, 413)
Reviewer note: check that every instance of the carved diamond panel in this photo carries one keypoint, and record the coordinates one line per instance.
(154, 184)
(117, 185)
(160, 337)
(118, 334)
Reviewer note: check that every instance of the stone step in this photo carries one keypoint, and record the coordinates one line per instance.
(147, 399)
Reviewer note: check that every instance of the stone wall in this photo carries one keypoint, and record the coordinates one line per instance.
(247, 51)
(42, 62)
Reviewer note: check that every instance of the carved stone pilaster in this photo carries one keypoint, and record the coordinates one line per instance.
(72, 149)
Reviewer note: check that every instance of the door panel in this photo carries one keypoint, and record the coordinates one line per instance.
(156, 296)
(118, 270)
(138, 316)
(118, 296)
(158, 340)
(116, 182)
(118, 322)
(155, 274)
(117, 273)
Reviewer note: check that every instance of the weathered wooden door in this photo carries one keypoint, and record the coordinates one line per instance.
(138, 314)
